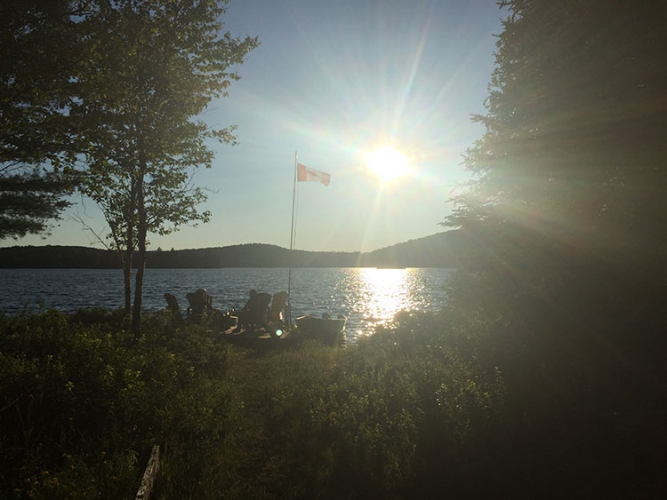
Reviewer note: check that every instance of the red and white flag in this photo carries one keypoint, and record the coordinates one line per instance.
(306, 174)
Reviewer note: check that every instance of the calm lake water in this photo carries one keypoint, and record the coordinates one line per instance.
(367, 296)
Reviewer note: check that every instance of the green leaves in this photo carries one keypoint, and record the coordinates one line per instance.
(30, 199)
(36, 38)
(571, 157)
(81, 400)
(151, 68)
(154, 67)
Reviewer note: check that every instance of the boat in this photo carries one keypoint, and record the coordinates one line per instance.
(326, 329)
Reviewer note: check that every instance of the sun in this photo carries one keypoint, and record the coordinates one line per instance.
(387, 163)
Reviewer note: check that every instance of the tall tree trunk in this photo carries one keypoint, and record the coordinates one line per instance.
(129, 247)
(142, 231)
(127, 278)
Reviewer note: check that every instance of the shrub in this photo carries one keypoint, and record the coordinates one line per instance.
(82, 401)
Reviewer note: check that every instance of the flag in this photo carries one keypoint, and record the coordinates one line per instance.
(306, 174)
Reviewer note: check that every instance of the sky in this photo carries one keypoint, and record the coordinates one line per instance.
(331, 81)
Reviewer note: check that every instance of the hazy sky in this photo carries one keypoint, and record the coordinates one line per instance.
(332, 80)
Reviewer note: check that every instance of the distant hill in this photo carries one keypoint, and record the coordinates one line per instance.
(438, 250)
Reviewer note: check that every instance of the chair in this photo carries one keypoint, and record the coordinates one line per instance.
(258, 309)
(277, 306)
(275, 323)
(261, 317)
(173, 307)
(200, 301)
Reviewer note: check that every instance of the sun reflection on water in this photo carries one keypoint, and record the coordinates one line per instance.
(382, 293)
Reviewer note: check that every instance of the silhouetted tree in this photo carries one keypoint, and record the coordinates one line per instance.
(566, 216)
(572, 165)
(153, 66)
(28, 201)
(37, 40)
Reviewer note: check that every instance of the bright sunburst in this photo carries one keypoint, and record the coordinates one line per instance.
(387, 163)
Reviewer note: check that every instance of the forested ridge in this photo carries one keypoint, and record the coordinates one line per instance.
(438, 250)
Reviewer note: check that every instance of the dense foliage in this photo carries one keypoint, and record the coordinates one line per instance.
(564, 283)
(29, 199)
(573, 159)
(567, 214)
(417, 409)
(36, 38)
(82, 401)
(152, 68)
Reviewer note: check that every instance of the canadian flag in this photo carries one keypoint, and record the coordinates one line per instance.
(306, 174)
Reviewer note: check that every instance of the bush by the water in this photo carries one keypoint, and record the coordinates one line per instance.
(82, 401)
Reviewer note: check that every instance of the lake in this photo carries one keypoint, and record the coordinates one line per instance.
(367, 296)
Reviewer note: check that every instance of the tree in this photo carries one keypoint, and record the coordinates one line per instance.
(36, 41)
(572, 162)
(153, 67)
(28, 201)
(567, 212)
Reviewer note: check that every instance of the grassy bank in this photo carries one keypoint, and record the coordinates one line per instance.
(418, 410)
(83, 401)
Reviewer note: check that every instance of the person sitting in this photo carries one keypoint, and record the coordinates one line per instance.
(254, 311)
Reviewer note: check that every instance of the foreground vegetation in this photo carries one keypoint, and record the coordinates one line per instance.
(82, 402)
(420, 409)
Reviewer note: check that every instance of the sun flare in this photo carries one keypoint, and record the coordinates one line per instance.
(387, 163)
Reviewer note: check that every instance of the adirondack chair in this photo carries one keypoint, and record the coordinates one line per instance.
(254, 312)
(258, 312)
(275, 323)
(200, 302)
(173, 307)
(257, 316)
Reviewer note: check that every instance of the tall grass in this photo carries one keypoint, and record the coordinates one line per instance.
(427, 407)
(82, 401)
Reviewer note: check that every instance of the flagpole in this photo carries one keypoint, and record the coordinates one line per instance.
(291, 246)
